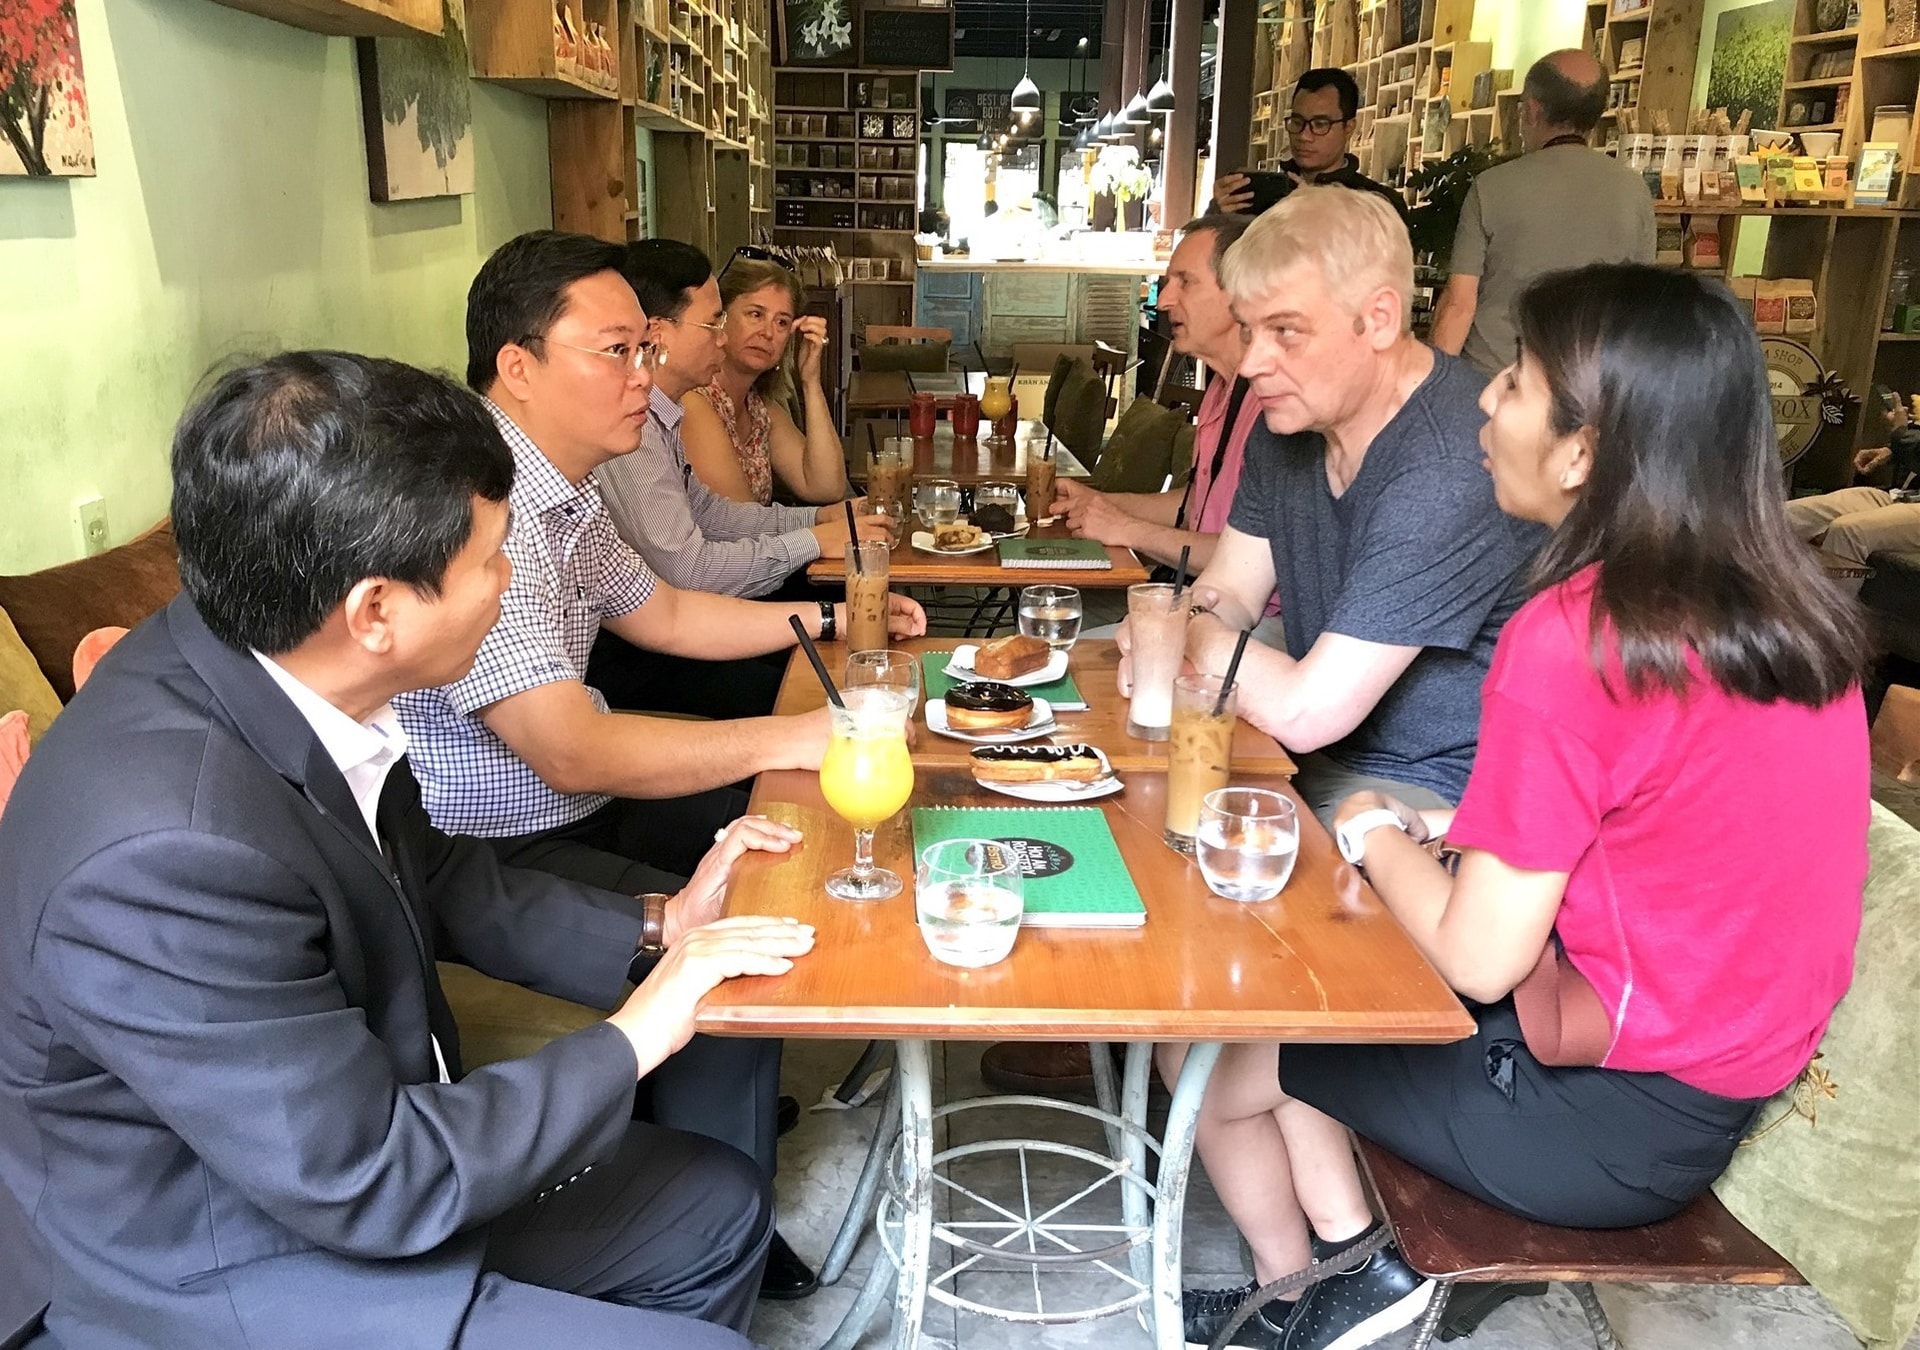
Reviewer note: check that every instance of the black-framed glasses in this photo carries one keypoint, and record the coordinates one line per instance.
(757, 254)
(1319, 126)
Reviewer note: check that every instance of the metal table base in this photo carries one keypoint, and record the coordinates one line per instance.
(1152, 1213)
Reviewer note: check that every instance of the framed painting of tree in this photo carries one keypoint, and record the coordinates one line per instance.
(416, 103)
(44, 127)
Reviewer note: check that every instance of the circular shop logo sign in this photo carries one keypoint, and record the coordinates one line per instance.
(1039, 857)
(1792, 370)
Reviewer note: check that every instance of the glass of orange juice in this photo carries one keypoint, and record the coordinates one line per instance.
(866, 776)
(996, 401)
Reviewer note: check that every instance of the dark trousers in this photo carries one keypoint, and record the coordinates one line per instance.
(634, 679)
(723, 1087)
(661, 1245)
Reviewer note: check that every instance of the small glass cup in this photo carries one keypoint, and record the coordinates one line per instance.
(867, 584)
(888, 513)
(1247, 842)
(890, 477)
(1039, 484)
(1052, 614)
(1157, 626)
(922, 415)
(966, 417)
(969, 897)
(1005, 425)
(887, 669)
(1199, 753)
(939, 501)
(1003, 495)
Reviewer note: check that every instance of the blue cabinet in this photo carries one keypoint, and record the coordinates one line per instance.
(949, 300)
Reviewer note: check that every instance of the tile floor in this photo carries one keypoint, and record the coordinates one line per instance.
(821, 1159)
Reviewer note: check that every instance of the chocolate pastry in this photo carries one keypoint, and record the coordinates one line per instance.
(983, 705)
(994, 519)
(1036, 764)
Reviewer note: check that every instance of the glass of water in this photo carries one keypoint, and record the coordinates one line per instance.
(1248, 840)
(1052, 614)
(969, 900)
(938, 500)
(897, 670)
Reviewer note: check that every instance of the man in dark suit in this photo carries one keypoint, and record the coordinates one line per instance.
(230, 1090)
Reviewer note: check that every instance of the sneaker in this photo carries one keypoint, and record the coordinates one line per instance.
(1205, 1311)
(1358, 1307)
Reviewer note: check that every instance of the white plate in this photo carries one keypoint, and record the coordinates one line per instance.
(1041, 724)
(1104, 786)
(960, 667)
(923, 541)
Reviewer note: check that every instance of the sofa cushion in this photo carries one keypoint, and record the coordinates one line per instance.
(1140, 452)
(22, 685)
(54, 609)
(914, 356)
(1830, 1178)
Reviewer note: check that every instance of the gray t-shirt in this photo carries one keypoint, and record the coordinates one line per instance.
(1557, 207)
(1413, 554)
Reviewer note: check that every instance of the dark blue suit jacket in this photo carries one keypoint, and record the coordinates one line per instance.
(219, 1105)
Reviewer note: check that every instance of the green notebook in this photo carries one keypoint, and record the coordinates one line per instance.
(1075, 877)
(1063, 693)
(1088, 555)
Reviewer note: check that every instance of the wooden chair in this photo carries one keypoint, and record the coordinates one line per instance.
(1110, 363)
(1450, 1237)
(1181, 399)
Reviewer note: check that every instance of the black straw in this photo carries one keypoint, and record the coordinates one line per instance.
(819, 666)
(912, 388)
(853, 538)
(873, 445)
(1180, 572)
(1047, 454)
(1226, 683)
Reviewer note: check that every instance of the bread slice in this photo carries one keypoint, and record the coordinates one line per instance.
(1004, 658)
(1036, 764)
(959, 534)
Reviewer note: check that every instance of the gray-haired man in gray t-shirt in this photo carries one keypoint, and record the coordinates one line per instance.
(1365, 506)
(1561, 204)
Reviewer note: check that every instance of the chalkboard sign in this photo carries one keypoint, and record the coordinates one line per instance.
(968, 111)
(906, 39)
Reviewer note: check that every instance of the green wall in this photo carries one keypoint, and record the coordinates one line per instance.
(230, 215)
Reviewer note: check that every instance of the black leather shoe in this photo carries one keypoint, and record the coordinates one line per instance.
(786, 1114)
(787, 1276)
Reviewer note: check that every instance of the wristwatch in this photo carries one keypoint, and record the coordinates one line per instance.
(829, 626)
(653, 937)
(1352, 835)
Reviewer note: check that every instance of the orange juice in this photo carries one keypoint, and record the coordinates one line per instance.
(866, 774)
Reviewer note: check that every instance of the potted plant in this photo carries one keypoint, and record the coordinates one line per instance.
(1118, 172)
(1442, 186)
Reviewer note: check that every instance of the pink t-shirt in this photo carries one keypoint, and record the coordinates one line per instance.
(1716, 848)
(1210, 502)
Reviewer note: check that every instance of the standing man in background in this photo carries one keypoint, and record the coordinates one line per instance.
(1561, 204)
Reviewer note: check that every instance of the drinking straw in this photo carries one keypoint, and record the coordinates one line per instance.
(873, 445)
(912, 388)
(819, 666)
(1047, 454)
(1013, 376)
(853, 538)
(1226, 683)
(1180, 572)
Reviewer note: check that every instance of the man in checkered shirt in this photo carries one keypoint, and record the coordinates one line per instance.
(522, 752)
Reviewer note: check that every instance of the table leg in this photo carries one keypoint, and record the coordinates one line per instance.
(913, 1069)
(1106, 1091)
(1133, 1149)
(1169, 1210)
(886, 1126)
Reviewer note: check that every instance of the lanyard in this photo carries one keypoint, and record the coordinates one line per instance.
(1234, 400)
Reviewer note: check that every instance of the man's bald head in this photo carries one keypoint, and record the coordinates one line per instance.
(1568, 92)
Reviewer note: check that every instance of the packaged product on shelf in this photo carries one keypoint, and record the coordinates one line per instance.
(1874, 183)
(1803, 307)
(1670, 169)
(1752, 185)
(1669, 246)
(1745, 290)
(1807, 181)
(1690, 169)
(1770, 307)
(1837, 175)
(1703, 243)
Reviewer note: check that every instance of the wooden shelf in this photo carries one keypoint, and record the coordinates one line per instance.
(1906, 50)
(1833, 83)
(350, 18)
(1640, 15)
(1837, 38)
(1899, 337)
(511, 43)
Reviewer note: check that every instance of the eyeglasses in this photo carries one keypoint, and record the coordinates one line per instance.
(632, 356)
(756, 253)
(1319, 126)
(717, 327)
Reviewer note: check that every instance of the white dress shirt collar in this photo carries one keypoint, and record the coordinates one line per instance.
(364, 752)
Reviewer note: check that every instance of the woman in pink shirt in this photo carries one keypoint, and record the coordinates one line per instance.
(1661, 848)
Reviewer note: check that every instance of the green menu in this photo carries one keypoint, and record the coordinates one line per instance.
(1074, 876)
(1082, 554)
(1063, 693)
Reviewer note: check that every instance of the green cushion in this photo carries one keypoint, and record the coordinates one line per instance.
(1139, 454)
(914, 356)
(500, 1021)
(1840, 1198)
(1079, 413)
(22, 685)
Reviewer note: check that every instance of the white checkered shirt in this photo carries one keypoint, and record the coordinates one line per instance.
(570, 571)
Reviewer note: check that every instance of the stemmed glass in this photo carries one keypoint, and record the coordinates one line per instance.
(866, 776)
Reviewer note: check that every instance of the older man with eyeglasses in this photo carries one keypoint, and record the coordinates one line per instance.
(1326, 101)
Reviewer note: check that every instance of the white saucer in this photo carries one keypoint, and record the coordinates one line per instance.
(1042, 723)
(960, 667)
(1058, 791)
(923, 540)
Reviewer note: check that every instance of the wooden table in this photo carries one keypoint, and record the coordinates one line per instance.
(1324, 961)
(871, 391)
(910, 566)
(1094, 664)
(968, 463)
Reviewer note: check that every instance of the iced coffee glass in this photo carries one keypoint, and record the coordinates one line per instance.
(867, 596)
(1199, 753)
(1157, 623)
